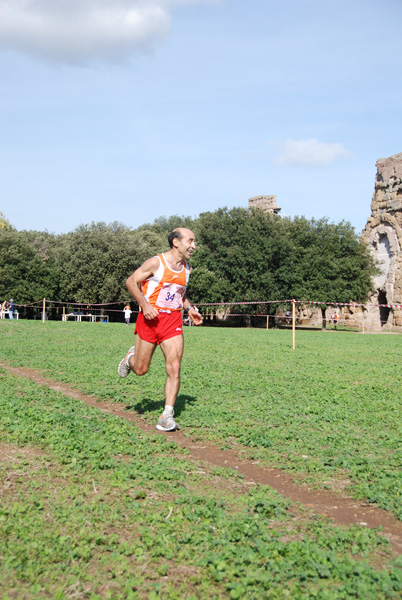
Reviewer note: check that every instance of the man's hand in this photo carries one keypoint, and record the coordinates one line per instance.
(195, 316)
(149, 311)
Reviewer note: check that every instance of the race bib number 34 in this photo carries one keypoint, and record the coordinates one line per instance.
(170, 296)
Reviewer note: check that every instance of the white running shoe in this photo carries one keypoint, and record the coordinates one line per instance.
(167, 423)
(124, 368)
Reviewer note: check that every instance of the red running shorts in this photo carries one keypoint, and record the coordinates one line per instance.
(164, 326)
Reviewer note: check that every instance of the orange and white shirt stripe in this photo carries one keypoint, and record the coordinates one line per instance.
(165, 289)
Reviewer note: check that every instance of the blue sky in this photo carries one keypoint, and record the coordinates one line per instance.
(129, 110)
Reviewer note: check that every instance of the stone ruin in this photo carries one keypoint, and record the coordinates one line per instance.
(265, 203)
(383, 233)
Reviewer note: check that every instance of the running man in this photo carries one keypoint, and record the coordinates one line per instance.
(159, 287)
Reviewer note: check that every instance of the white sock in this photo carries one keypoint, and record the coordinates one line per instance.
(168, 409)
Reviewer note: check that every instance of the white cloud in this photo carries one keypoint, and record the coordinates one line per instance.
(82, 31)
(309, 153)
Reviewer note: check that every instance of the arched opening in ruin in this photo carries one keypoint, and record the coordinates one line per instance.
(384, 310)
(383, 254)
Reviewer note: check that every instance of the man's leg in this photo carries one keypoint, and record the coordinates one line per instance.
(140, 361)
(173, 351)
(137, 359)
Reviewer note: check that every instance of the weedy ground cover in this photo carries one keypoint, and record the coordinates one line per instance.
(94, 508)
(329, 412)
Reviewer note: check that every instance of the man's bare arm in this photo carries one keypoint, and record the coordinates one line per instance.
(192, 311)
(133, 285)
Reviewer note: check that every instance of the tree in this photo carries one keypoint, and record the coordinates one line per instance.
(26, 273)
(4, 223)
(241, 256)
(238, 252)
(96, 259)
(252, 255)
(326, 262)
(162, 226)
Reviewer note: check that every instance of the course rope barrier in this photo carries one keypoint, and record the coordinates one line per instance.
(322, 303)
(214, 312)
(100, 305)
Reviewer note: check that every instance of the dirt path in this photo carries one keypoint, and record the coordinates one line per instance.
(342, 509)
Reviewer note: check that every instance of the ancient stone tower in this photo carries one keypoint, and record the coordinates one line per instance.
(383, 233)
(266, 203)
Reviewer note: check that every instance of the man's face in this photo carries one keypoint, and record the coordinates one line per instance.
(186, 245)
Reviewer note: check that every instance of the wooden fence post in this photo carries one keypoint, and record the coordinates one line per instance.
(294, 323)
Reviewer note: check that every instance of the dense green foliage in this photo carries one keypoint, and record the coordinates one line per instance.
(238, 254)
(242, 256)
(95, 261)
(4, 223)
(29, 269)
(325, 262)
(94, 508)
(250, 255)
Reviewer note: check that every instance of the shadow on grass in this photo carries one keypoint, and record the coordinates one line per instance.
(150, 406)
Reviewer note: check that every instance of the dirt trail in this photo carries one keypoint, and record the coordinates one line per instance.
(342, 509)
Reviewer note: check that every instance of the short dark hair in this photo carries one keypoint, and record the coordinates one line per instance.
(176, 234)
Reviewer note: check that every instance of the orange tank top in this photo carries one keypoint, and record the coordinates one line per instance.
(165, 288)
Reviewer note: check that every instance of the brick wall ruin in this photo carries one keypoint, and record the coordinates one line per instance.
(383, 233)
(265, 203)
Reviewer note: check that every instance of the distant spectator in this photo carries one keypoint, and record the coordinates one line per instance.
(11, 308)
(335, 320)
(127, 314)
(3, 308)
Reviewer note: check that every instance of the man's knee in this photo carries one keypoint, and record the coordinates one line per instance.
(173, 368)
(140, 369)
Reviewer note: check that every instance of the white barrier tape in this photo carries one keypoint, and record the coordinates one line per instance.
(345, 303)
(387, 305)
(89, 305)
(243, 303)
(327, 303)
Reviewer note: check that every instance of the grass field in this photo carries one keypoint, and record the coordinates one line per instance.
(95, 508)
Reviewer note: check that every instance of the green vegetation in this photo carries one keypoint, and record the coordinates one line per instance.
(28, 266)
(94, 508)
(251, 255)
(95, 260)
(4, 223)
(242, 256)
